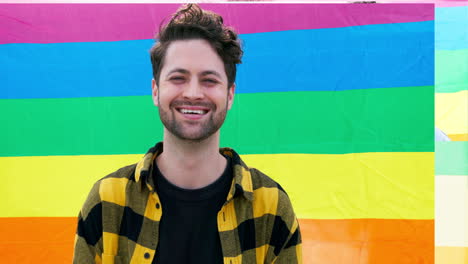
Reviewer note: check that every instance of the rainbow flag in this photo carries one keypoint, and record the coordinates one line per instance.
(451, 116)
(334, 101)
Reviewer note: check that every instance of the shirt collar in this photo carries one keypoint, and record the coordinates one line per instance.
(242, 179)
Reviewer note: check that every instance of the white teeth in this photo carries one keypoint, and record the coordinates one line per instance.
(190, 111)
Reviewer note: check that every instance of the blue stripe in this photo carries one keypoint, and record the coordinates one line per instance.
(451, 27)
(360, 57)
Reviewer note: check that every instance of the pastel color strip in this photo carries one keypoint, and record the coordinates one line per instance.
(458, 137)
(437, 3)
(123, 68)
(450, 3)
(451, 28)
(298, 122)
(29, 240)
(452, 255)
(451, 70)
(366, 185)
(451, 112)
(451, 158)
(77, 22)
(451, 211)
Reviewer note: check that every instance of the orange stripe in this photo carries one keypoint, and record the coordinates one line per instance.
(458, 137)
(50, 240)
(37, 239)
(356, 241)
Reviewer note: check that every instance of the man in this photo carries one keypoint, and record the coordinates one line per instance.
(187, 201)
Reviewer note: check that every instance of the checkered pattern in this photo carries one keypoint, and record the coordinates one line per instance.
(119, 221)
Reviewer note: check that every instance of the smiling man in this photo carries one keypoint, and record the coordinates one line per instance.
(187, 200)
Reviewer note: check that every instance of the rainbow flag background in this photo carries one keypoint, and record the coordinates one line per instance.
(451, 116)
(334, 101)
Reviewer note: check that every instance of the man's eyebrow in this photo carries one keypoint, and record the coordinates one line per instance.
(180, 70)
(211, 72)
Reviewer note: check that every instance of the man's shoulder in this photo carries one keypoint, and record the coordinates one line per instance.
(109, 183)
(272, 204)
(127, 172)
(106, 187)
(267, 193)
(261, 180)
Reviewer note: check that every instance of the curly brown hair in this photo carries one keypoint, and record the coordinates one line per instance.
(192, 22)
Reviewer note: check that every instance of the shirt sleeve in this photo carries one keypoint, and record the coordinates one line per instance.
(292, 250)
(88, 242)
(286, 234)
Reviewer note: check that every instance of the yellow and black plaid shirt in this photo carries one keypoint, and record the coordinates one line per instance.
(119, 221)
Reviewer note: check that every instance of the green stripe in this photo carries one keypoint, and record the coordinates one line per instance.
(451, 70)
(368, 120)
(451, 158)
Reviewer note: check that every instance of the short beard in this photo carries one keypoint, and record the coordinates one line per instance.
(207, 129)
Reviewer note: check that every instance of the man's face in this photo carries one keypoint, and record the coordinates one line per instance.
(192, 96)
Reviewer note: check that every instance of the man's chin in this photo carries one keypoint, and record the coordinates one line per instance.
(194, 136)
(193, 131)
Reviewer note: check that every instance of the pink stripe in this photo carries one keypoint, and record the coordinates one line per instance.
(438, 3)
(451, 3)
(51, 23)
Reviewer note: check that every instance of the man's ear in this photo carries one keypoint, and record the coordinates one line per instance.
(154, 92)
(231, 91)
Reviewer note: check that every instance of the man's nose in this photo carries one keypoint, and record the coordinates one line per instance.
(193, 90)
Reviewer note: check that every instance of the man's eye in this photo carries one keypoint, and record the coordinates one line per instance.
(210, 81)
(177, 78)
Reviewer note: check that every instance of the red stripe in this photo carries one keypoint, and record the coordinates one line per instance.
(51, 23)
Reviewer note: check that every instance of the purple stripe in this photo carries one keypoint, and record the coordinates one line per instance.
(51, 23)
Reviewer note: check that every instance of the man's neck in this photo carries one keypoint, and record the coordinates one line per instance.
(191, 165)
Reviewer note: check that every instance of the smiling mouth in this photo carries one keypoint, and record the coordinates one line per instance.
(192, 111)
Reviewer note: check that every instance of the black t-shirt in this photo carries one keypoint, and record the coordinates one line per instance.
(188, 231)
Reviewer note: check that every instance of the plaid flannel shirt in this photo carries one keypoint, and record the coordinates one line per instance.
(119, 221)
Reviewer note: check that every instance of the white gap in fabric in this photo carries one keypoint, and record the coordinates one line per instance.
(451, 211)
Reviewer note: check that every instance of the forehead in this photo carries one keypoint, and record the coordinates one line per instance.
(194, 56)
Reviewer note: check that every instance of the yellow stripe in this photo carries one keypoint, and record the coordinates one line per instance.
(361, 185)
(358, 185)
(52, 185)
(138, 256)
(108, 259)
(141, 164)
(151, 212)
(260, 253)
(299, 253)
(451, 255)
(268, 204)
(294, 227)
(227, 218)
(110, 242)
(97, 259)
(113, 190)
(246, 180)
(451, 112)
(233, 260)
